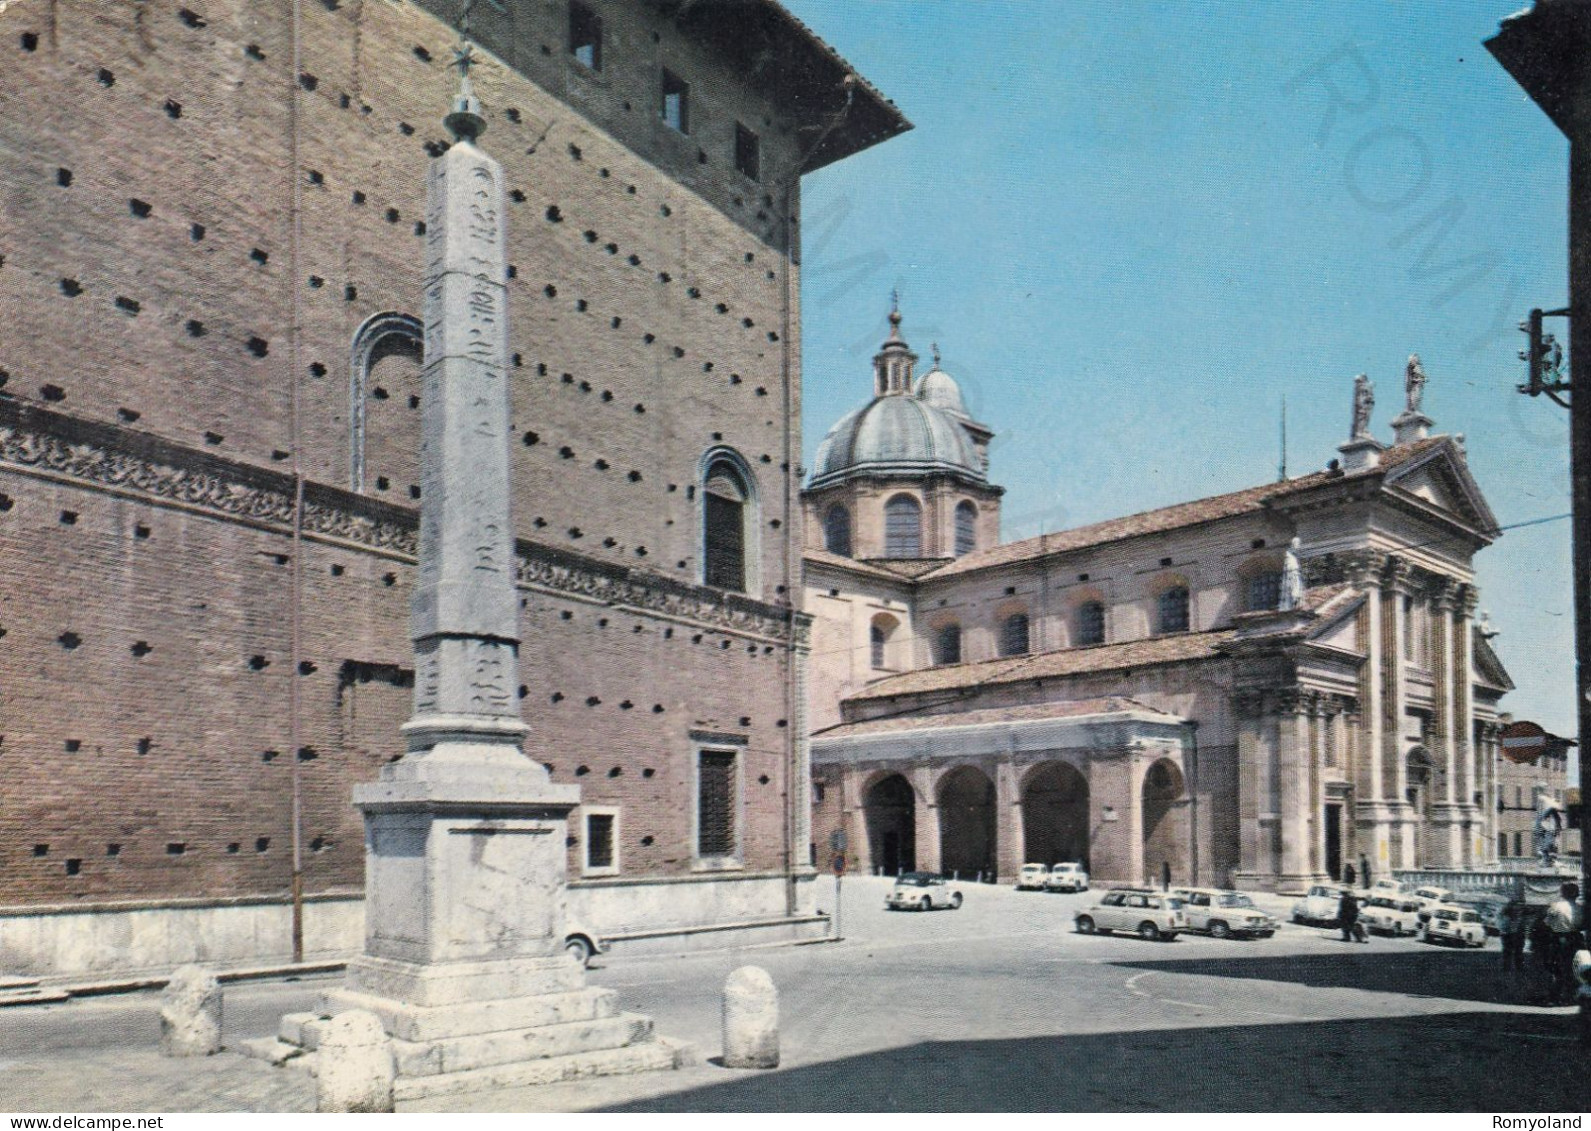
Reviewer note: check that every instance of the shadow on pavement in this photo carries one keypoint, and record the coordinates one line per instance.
(1427, 972)
(1450, 1062)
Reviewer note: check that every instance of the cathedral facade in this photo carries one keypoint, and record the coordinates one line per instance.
(1254, 689)
(211, 250)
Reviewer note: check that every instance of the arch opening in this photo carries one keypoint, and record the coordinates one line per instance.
(1165, 823)
(966, 822)
(1055, 815)
(889, 811)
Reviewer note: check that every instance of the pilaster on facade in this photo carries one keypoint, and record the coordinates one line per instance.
(1397, 587)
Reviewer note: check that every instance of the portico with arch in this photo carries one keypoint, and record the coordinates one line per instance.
(1097, 782)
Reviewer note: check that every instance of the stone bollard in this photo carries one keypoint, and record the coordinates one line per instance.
(190, 1013)
(354, 1067)
(751, 1019)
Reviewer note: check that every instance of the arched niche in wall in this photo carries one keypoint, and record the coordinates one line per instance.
(383, 402)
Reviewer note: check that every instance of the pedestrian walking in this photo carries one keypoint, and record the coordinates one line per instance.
(1348, 874)
(1563, 921)
(1511, 929)
(1348, 918)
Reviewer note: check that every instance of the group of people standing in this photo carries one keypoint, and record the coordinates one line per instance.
(1557, 946)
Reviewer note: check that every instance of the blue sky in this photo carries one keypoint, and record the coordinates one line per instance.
(1134, 227)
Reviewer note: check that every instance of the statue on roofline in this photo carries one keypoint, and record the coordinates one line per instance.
(1364, 399)
(1292, 590)
(1414, 384)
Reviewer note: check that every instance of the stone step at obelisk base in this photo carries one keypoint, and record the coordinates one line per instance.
(466, 837)
(498, 1042)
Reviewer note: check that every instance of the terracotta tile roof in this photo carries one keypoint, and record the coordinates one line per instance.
(1046, 665)
(1173, 517)
(1069, 708)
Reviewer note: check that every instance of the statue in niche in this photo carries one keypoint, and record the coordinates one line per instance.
(1292, 590)
(1364, 399)
(1414, 384)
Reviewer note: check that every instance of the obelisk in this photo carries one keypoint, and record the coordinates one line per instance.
(465, 836)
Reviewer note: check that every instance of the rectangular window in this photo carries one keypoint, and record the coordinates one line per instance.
(1264, 592)
(748, 152)
(675, 106)
(715, 804)
(601, 841)
(585, 35)
(1090, 623)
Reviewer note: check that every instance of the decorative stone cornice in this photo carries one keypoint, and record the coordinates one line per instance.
(136, 464)
(1445, 594)
(1469, 600)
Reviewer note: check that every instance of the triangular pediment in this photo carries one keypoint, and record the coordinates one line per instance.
(1488, 668)
(1338, 626)
(1439, 480)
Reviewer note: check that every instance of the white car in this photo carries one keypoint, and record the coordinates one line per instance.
(1148, 914)
(1430, 899)
(1066, 877)
(581, 943)
(1032, 877)
(1451, 923)
(1224, 914)
(921, 891)
(1319, 905)
(1389, 916)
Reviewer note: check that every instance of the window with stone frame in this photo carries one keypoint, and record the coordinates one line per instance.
(903, 527)
(837, 531)
(1014, 635)
(966, 527)
(716, 789)
(601, 841)
(674, 105)
(1264, 591)
(1090, 624)
(585, 35)
(1172, 610)
(725, 501)
(947, 645)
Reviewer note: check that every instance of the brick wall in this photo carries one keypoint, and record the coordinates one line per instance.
(651, 319)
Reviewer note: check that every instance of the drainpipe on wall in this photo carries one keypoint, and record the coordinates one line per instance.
(296, 577)
(1193, 801)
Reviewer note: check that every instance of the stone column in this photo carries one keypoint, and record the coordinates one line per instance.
(1464, 723)
(1397, 588)
(1115, 802)
(925, 818)
(1373, 816)
(1246, 717)
(1321, 715)
(1446, 816)
(1292, 773)
(858, 847)
(1009, 844)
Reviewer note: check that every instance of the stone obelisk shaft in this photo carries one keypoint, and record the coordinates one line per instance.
(464, 613)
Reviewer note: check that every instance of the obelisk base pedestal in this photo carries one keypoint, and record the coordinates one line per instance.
(464, 959)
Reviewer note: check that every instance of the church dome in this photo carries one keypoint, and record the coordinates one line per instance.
(938, 388)
(895, 434)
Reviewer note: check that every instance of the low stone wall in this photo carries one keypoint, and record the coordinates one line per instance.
(151, 938)
(128, 941)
